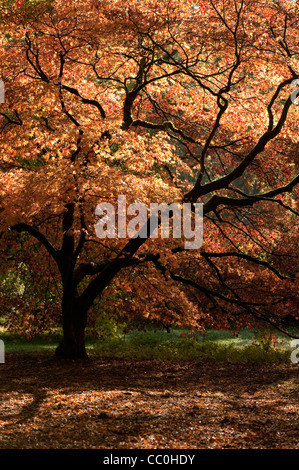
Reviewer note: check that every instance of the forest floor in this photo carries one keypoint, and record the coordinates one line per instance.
(112, 403)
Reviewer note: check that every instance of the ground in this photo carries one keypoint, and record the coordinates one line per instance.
(120, 404)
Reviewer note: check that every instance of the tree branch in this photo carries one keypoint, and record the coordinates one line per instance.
(23, 227)
(221, 183)
(216, 200)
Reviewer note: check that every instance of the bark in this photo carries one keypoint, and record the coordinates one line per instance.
(74, 316)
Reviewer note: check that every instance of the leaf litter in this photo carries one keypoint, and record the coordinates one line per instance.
(120, 404)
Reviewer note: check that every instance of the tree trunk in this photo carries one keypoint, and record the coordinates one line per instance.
(74, 318)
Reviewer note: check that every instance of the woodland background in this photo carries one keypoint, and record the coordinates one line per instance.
(139, 342)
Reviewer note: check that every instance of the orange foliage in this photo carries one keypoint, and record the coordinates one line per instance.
(159, 101)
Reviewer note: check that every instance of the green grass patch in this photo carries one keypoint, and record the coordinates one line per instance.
(178, 345)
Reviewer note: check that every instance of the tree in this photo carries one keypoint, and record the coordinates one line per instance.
(161, 102)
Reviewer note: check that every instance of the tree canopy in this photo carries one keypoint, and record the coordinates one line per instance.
(160, 101)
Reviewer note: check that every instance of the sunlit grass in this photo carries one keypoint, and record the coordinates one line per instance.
(177, 345)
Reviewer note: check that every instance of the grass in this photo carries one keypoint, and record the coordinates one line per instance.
(218, 345)
(178, 345)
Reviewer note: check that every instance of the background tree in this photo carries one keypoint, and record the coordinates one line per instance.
(162, 102)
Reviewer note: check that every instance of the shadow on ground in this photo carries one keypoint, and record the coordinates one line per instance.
(111, 403)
